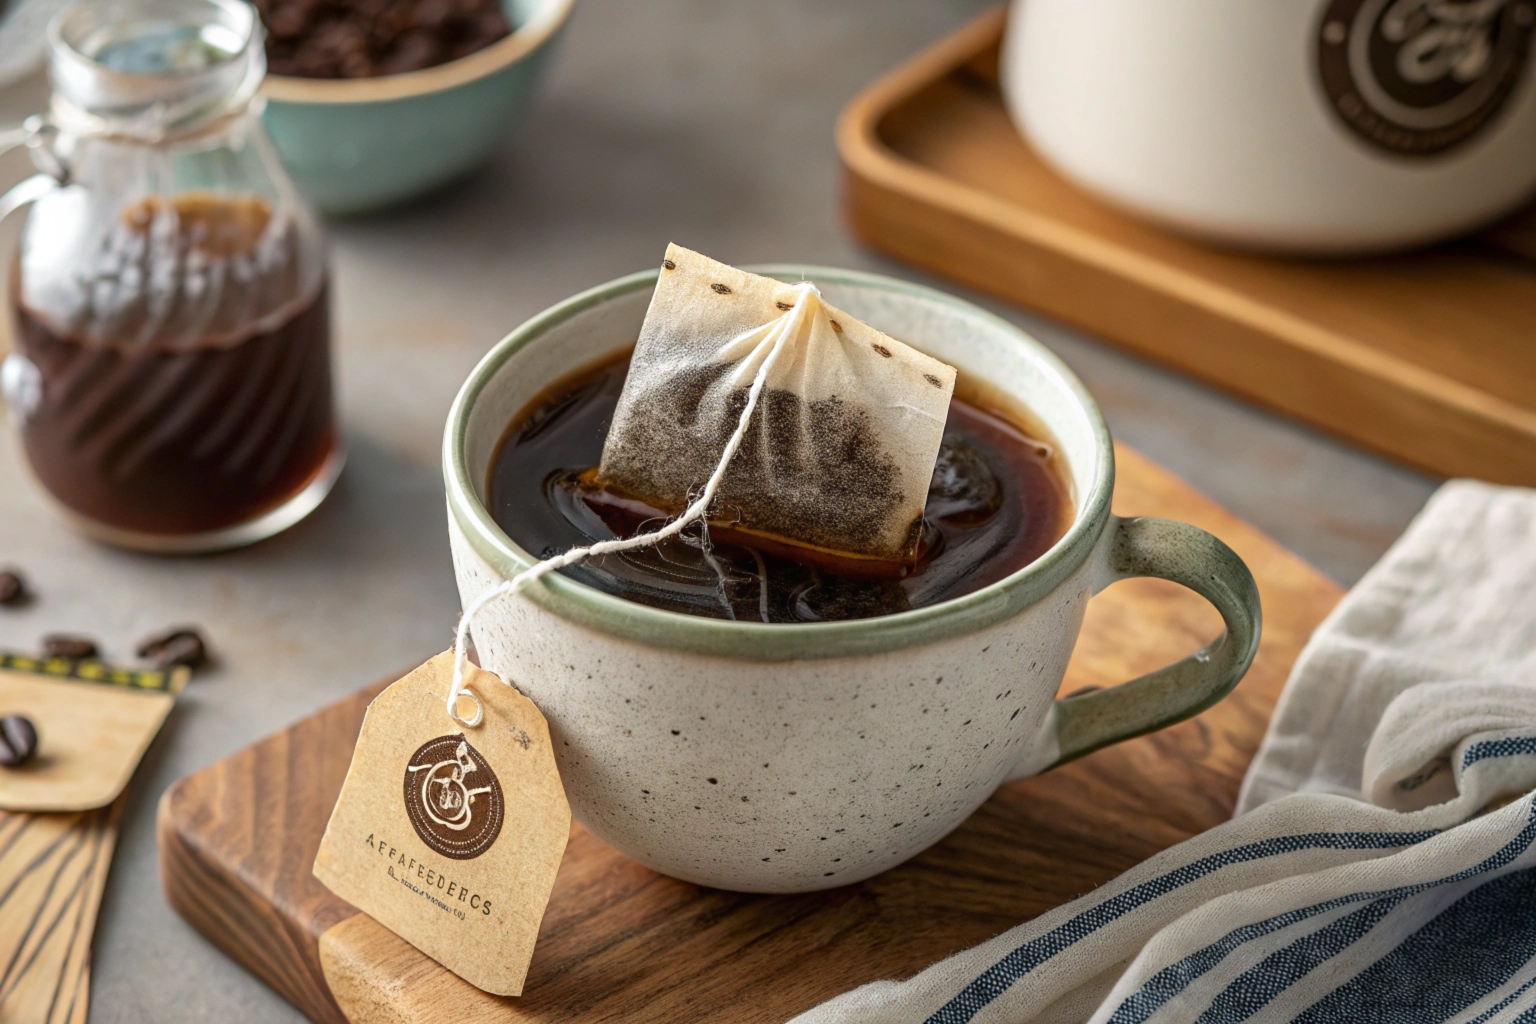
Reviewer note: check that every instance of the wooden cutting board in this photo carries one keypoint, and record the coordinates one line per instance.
(1429, 357)
(622, 943)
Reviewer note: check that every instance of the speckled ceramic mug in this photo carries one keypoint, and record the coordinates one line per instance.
(787, 758)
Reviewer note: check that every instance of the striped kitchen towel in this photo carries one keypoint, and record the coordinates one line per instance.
(1381, 871)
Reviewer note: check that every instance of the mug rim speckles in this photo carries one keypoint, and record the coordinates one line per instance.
(755, 641)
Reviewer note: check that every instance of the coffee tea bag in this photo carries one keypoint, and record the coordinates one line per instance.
(840, 450)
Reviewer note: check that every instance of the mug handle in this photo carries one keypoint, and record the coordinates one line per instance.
(1187, 555)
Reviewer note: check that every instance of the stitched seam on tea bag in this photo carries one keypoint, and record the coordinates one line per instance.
(782, 328)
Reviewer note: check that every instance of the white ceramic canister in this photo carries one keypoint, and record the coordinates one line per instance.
(1308, 126)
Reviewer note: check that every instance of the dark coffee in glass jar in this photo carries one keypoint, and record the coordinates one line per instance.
(998, 500)
(188, 389)
(170, 380)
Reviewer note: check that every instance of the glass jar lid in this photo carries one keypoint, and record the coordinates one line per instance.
(153, 69)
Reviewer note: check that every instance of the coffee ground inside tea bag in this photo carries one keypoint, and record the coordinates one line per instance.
(839, 451)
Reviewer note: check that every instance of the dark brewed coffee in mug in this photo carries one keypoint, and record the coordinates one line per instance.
(998, 500)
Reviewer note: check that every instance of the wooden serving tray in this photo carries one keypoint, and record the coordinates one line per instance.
(1429, 357)
(622, 943)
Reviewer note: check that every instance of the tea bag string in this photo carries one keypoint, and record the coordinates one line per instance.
(694, 512)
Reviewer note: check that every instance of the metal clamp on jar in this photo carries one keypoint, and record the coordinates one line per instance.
(172, 377)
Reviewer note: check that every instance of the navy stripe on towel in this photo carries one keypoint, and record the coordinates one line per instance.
(997, 979)
(1176, 977)
(1509, 747)
(1470, 949)
(1528, 1017)
(1503, 1004)
(1258, 985)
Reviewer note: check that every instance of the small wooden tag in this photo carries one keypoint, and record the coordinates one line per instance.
(93, 724)
(451, 836)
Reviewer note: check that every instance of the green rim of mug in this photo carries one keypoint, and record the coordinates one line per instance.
(758, 641)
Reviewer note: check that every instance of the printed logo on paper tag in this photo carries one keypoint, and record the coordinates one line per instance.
(451, 836)
(451, 817)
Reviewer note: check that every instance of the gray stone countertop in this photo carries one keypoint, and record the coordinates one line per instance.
(702, 122)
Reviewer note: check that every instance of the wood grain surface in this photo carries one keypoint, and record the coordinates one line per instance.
(622, 943)
(55, 856)
(1425, 356)
(53, 870)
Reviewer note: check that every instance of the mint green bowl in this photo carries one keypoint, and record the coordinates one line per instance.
(363, 143)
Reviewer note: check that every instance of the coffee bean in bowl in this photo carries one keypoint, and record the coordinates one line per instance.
(372, 102)
(368, 38)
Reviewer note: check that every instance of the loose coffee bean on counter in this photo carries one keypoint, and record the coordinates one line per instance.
(368, 38)
(183, 645)
(18, 740)
(13, 588)
(69, 645)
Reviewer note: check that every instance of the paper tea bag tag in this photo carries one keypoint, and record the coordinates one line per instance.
(842, 445)
(93, 724)
(450, 836)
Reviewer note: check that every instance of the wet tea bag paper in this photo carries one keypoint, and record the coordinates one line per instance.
(841, 448)
(450, 835)
(93, 724)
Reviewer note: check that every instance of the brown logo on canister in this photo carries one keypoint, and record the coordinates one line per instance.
(453, 798)
(1420, 77)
